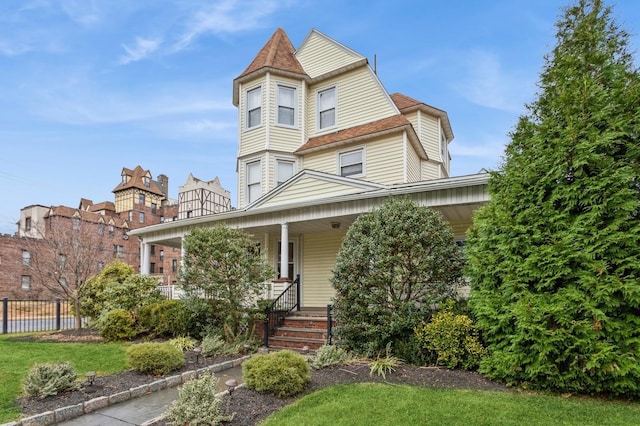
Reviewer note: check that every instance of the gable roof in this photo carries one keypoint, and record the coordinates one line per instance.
(86, 216)
(277, 55)
(136, 180)
(370, 130)
(407, 104)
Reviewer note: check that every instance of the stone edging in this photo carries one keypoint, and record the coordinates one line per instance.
(72, 411)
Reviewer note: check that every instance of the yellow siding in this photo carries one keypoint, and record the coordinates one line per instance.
(283, 138)
(430, 136)
(430, 170)
(414, 173)
(319, 254)
(323, 161)
(310, 188)
(242, 181)
(320, 55)
(360, 100)
(385, 160)
(252, 140)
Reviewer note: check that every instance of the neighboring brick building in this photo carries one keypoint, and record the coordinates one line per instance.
(139, 201)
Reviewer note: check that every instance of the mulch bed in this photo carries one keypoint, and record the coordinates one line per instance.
(251, 407)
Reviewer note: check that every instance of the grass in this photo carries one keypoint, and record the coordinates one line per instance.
(384, 404)
(17, 356)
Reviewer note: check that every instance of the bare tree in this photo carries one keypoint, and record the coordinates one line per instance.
(67, 253)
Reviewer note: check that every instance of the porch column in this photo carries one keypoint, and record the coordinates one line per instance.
(284, 252)
(144, 258)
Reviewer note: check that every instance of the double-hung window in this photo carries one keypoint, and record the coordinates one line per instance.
(351, 163)
(254, 107)
(327, 108)
(284, 170)
(286, 106)
(253, 177)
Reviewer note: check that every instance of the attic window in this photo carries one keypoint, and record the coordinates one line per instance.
(124, 179)
(254, 107)
(147, 181)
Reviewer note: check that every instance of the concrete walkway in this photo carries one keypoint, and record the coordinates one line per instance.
(145, 409)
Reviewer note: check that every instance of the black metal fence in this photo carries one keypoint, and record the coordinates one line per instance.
(20, 316)
(281, 307)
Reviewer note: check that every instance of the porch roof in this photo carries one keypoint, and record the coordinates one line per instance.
(456, 198)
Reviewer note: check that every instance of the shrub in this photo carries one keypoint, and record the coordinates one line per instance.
(197, 403)
(453, 338)
(282, 373)
(48, 379)
(117, 324)
(93, 297)
(164, 318)
(154, 358)
(394, 264)
(328, 355)
(183, 343)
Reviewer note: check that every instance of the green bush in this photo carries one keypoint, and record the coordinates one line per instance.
(93, 296)
(117, 324)
(282, 373)
(44, 380)
(197, 404)
(328, 355)
(384, 365)
(452, 338)
(164, 318)
(394, 264)
(154, 358)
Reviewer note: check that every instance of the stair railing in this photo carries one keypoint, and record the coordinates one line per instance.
(282, 306)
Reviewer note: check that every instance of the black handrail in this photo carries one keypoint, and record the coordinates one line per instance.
(280, 308)
(329, 324)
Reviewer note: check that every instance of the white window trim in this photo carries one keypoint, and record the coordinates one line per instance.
(246, 107)
(339, 155)
(295, 105)
(246, 179)
(323, 89)
(284, 160)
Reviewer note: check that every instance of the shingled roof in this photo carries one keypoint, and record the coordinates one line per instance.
(407, 104)
(278, 55)
(136, 180)
(364, 131)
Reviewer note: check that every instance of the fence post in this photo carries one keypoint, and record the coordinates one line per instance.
(5, 315)
(298, 292)
(266, 327)
(57, 314)
(329, 324)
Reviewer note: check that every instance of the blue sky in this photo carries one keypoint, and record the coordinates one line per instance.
(88, 87)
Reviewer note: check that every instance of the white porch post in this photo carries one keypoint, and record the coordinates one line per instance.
(144, 258)
(284, 251)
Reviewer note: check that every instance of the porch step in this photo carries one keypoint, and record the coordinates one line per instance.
(305, 333)
(296, 343)
(305, 321)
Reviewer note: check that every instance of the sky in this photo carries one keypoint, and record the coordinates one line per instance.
(88, 87)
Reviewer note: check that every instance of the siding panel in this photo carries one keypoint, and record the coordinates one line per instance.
(320, 55)
(320, 252)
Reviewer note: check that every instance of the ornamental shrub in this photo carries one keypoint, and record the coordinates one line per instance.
(164, 318)
(212, 345)
(453, 338)
(197, 403)
(282, 373)
(395, 263)
(328, 355)
(116, 325)
(154, 358)
(183, 343)
(49, 379)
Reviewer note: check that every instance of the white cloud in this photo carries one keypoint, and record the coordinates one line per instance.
(226, 17)
(485, 82)
(83, 12)
(141, 49)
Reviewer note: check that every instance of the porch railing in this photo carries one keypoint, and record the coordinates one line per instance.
(281, 307)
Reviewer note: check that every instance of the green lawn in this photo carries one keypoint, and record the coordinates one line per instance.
(17, 356)
(383, 404)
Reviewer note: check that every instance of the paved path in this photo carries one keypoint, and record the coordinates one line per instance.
(141, 410)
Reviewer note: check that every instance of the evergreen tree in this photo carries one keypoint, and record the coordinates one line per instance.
(554, 258)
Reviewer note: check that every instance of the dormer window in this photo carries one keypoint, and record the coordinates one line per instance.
(326, 108)
(147, 181)
(286, 106)
(124, 179)
(254, 107)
